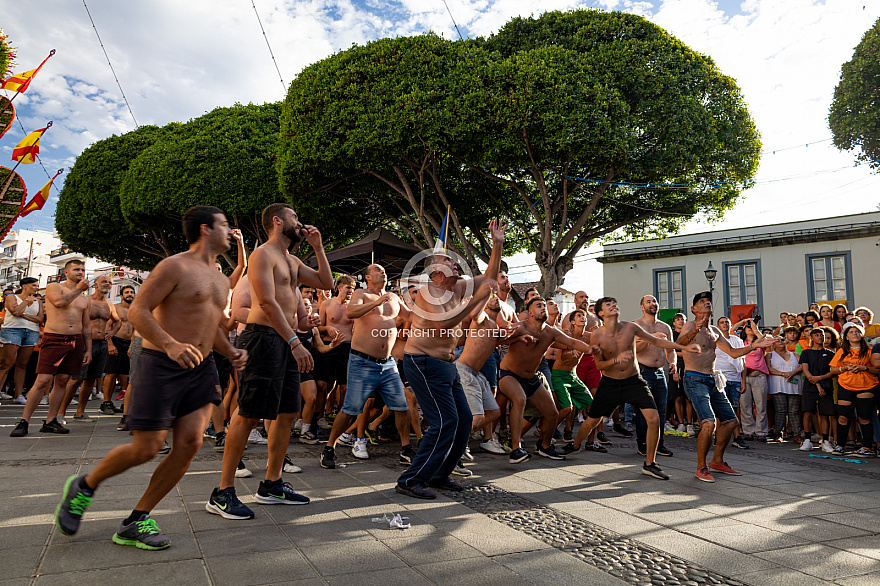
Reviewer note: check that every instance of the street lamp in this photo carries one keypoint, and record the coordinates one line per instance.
(710, 273)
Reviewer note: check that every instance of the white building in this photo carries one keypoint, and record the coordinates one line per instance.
(781, 267)
(26, 253)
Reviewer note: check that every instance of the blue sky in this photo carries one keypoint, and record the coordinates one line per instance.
(177, 60)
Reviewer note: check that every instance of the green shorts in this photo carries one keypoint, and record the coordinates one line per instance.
(569, 389)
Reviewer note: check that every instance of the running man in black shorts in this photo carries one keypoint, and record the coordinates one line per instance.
(178, 313)
(269, 384)
(621, 381)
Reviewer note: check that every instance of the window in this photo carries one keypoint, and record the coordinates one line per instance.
(829, 278)
(669, 287)
(742, 283)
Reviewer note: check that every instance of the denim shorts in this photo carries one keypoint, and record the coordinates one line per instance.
(365, 377)
(733, 391)
(710, 403)
(20, 336)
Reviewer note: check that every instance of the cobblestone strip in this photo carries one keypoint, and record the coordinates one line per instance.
(621, 557)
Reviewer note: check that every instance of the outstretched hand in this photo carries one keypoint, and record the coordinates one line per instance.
(497, 229)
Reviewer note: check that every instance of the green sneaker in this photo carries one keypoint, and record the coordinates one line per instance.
(373, 436)
(74, 502)
(143, 534)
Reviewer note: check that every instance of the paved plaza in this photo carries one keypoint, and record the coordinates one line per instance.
(593, 519)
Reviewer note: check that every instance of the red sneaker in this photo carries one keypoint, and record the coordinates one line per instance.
(703, 474)
(724, 469)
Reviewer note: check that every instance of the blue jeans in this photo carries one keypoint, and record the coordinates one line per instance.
(733, 392)
(545, 370)
(365, 377)
(709, 403)
(657, 383)
(490, 369)
(438, 389)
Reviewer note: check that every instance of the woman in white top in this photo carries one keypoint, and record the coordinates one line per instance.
(785, 387)
(20, 333)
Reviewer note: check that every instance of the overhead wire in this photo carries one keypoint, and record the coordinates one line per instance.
(453, 20)
(266, 37)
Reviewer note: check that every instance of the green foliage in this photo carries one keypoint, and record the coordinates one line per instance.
(7, 55)
(854, 116)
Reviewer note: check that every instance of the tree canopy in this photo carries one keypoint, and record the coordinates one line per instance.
(854, 116)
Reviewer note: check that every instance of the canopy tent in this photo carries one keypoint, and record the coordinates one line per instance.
(380, 247)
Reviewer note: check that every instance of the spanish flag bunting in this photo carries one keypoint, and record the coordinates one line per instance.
(19, 82)
(40, 198)
(27, 150)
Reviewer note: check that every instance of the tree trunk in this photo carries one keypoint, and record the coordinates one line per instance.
(553, 271)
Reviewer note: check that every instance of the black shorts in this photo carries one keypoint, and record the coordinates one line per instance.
(613, 392)
(402, 374)
(675, 389)
(224, 371)
(529, 386)
(269, 383)
(164, 391)
(95, 368)
(810, 400)
(333, 367)
(120, 363)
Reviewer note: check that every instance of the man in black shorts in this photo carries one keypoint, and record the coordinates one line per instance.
(269, 384)
(614, 350)
(818, 392)
(178, 313)
(118, 345)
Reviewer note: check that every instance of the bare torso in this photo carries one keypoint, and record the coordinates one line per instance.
(99, 314)
(649, 355)
(67, 320)
(333, 312)
(483, 336)
(568, 359)
(376, 332)
(284, 276)
(707, 339)
(425, 335)
(125, 329)
(619, 342)
(524, 358)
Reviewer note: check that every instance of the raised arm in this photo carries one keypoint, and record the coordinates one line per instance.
(662, 342)
(57, 297)
(497, 229)
(235, 277)
(323, 277)
(480, 295)
(562, 340)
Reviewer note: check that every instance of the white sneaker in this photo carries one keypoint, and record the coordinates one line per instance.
(607, 422)
(44, 400)
(297, 427)
(346, 439)
(359, 450)
(493, 447)
(74, 401)
(20, 400)
(322, 423)
(691, 432)
(242, 471)
(256, 438)
(816, 438)
(580, 418)
(827, 447)
(5, 396)
(467, 455)
(681, 428)
(806, 445)
(290, 467)
(669, 427)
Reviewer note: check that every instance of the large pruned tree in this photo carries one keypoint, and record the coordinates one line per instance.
(854, 116)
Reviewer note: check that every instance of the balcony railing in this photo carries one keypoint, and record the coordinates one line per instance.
(60, 252)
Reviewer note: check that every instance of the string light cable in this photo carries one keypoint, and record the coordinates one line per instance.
(266, 37)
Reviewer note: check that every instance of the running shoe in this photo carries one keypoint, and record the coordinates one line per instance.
(866, 453)
(519, 455)
(143, 534)
(346, 439)
(838, 450)
(739, 443)
(682, 428)
(827, 447)
(568, 448)
(407, 453)
(210, 433)
(279, 493)
(595, 447)
(322, 423)
(704, 475)
(122, 425)
(289, 466)
(762, 439)
(308, 438)
(724, 469)
(664, 451)
(53, 427)
(5, 396)
(603, 439)
(492, 446)
(242, 471)
(108, 408)
(466, 456)
(297, 427)
(550, 452)
(226, 504)
(691, 431)
(567, 436)
(20, 430)
(74, 502)
(642, 450)
(460, 470)
(620, 430)
(220, 441)
(359, 450)
(418, 491)
(328, 457)
(255, 437)
(668, 427)
(806, 445)
(654, 470)
(447, 484)
(372, 435)
(45, 400)
(84, 418)
(165, 448)
(20, 400)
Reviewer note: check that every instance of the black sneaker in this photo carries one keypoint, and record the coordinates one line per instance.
(226, 504)
(642, 450)
(417, 491)
(664, 451)
(407, 454)
(739, 443)
(74, 502)
(567, 436)
(372, 435)
(143, 534)
(328, 457)
(448, 484)
(603, 439)
(549, 452)
(654, 470)
(621, 430)
(20, 430)
(122, 425)
(308, 438)
(53, 427)
(220, 441)
(107, 408)
(568, 448)
(519, 455)
(280, 494)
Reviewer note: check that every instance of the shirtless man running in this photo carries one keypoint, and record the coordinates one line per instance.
(178, 313)
(117, 350)
(376, 315)
(65, 347)
(269, 384)
(651, 361)
(614, 349)
(429, 368)
(703, 390)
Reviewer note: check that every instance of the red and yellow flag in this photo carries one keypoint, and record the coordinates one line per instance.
(19, 82)
(39, 200)
(27, 150)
